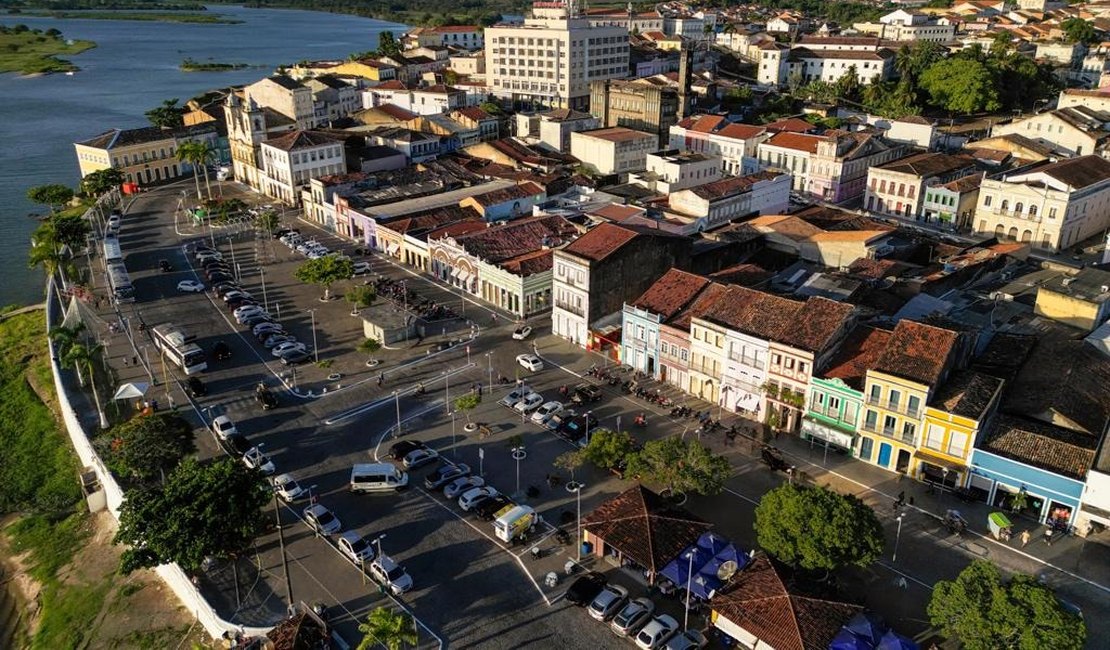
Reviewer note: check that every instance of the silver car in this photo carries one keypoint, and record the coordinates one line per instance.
(608, 602)
(320, 519)
(632, 617)
(355, 547)
(391, 574)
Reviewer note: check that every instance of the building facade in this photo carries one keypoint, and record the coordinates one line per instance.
(638, 104)
(289, 162)
(613, 150)
(897, 188)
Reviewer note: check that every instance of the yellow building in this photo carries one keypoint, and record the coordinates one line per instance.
(960, 408)
(1081, 299)
(145, 156)
(366, 69)
(896, 390)
(707, 350)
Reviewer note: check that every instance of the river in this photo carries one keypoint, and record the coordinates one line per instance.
(133, 68)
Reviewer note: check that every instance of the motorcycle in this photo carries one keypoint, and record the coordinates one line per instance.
(640, 420)
(773, 459)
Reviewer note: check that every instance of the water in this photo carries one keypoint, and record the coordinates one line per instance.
(133, 68)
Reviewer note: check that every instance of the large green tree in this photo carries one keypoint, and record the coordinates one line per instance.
(71, 231)
(168, 115)
(203, 509)
(467, 403)
(388, 628)
(961, 85)
(52, 195)
(143, 448)
(1078, 30)
(985, 612)
(607, 448)
(324, 271)
(101, 181)
(388, 44)
(681, 465)
(816, 528)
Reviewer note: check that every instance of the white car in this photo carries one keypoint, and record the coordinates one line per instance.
(544, 413)
(632, 616)
(455, 489)
(656, 633)
(514, 396)
(231, 295)
(688, 640)
(255, 458)
(223, 427)
(321, 520)
(203, 255)
(277, 339)
(607, 603)
(286, 487)
(361, 268)
(247, 310)
(282, 348)
(316, 254)
(522, 332)
(245, 316)
(190, 286)
(419, 458)
(530, 362)
(390, 574)
(472, 498)
(529, 403)
(357, 548)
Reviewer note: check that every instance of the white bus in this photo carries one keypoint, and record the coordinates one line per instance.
(120, 283)
(178, 347)
(112, 251)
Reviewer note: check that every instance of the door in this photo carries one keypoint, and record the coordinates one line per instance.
(884, 454)
(903, 464)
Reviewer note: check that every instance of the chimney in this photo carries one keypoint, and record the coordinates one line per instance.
(685, 62)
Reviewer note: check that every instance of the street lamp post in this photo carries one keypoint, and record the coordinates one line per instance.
(689, 577)
(489, 364)
(232, 245)
(897, 538)
(588, 427)
(447, 390)
(262, 273)
(397, 404)
(518, 455)
(578, 497)
(454, 449)
(378, 542)
(315, 348)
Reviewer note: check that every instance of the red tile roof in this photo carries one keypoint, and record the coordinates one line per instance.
(670, 293)
(617, 134)
(917, 352)
(615, 212)
(760, 602)
(396, 112)
(392, 84)
(644, 527)
(743, 274)
(793, 124)
(506, 194)
(817, 324)
(600, 242)
(732, 186)
(709, 296)
(530, 263)
(301, 140)
(857, 354)
(457, 28)
(474, 112)
(741, 131)
(796, 141)
(512, 239)
(756, 313)
(1064, 451)
(706, 123)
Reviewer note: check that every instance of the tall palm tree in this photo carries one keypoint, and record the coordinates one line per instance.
(64, 339)
(185, 153)
(46, 253)
(197, 154)
(81, 356)
(391, 629)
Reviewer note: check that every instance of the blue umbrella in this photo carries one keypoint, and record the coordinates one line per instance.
(894, 641)
(712, 543)
(846, 640)
(702, 584)
(869, 626)
(727, 554)
(677, 570)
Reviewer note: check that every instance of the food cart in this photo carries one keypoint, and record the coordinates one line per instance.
(1000, 526)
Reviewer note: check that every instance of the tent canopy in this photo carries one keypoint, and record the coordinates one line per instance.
(869, 626)
(894, 641)
(683, 565)
(131, 390)
(847, 640)
(712, 542)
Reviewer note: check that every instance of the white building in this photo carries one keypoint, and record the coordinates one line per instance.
(902, 25)
(735, 145)
(553, 128)
(1075, 130)
(613, 150)
(290, 161)
(673, 170)
(428, 100)
(897, 188)
(551, 59)
(717, 203)
(832, 166)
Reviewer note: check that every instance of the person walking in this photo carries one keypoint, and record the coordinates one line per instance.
(1024, 538)
(1048, 536)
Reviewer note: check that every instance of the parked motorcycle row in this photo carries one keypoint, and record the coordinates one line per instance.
(399, 293)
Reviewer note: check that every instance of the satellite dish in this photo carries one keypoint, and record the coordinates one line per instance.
(727, 569)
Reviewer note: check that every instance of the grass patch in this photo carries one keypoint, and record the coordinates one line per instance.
(50, 542)
(32, 51)
(68, 614)
(167, 637)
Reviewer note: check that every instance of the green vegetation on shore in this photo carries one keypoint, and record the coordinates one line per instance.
(149, 16)
(34, 51)
(190, 65)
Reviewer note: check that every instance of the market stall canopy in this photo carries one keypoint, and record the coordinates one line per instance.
(131, 390)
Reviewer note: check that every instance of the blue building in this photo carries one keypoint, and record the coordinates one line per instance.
(1040, 466)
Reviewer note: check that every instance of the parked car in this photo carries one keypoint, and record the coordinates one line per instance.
(237, 444)
(655, 634)
(444, 474)
(456, 488)
(585, 588)
(265, 397)
(266, 326)
(221, 351)
(514, 396)
(195, 387)
(634, 615)
(559, 420)
(355, 547)
(264, 336)
(688, 640)
(361, 268)
(578, 427)
(391, 574)
(239, 301)
(293, 357)
(528, 403)
(522, 332)
(607, 602)
(586, 393)
(190, 286)
(400, 449)
(257, 319)
(488, 509)
(475, 496)
(530, 362)
(223, 427)
(257, 459)
(322, 520)
(247, 310)
(287, 488)
(540, 415)
(272, 343)
(231, 295)
(225, 287)
(419, 458)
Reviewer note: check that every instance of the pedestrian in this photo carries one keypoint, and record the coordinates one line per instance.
(1024, 538)
(134, 360)
(901, 501)
(479, 389)
(1048, 536)
(154, 405)
(379, 381)
(124, 361)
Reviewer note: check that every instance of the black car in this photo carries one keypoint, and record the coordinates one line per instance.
(195, 387)
(218, 276)
(401, 449)
(586, 393)
(294, 357)
(558, 421)
(210, 263)
(225, 287)
(257, 319)
(265, 336)
(239, 301)
(265, 397)
(489, 508)
(221, 351)
(237, 444)
(578, 427)
(585, 589)
(165, 266)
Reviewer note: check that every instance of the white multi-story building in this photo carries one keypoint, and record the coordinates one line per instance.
(735, 145)
(551, 59)
(290, 161)
(897, 188)
(614, 150)
(766, 192)
(832, 166)
(673, 170)
(285, 96)
(428, 100)
(1075, 130)
(903, 25)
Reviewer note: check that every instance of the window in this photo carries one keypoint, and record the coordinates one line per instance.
(876, 393)
(776, 359)
(957, 444)
(850, 413)
(934, 437)
(889, 422)
(834, 405)
(914, 403)
(1032, 210)
(685, 354)
(1051, 211)
(1018, 207)
(1005, 205)
(987, 201)
(819, 400)
(870, 419)
(895, 398)
(908, 429)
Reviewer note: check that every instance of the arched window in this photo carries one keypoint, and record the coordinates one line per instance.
(1012, 234)
(999, 230)
(1033, 210)
(1017, 207)
(1005, 205)
(1026, 236)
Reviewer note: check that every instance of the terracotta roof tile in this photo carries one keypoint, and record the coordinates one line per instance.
(615, 212)
(670, 293)
(601, 241)
(706, 300)
(816, 324)
(918, 352)
(512, 239)
(530, 263)
(645, 527)
(301, 140)
(756, 313)
(1064, 379)
(967, 394)
(1060, 450)
(747, 275)
(506, 194)
(796, 141)
(857, 354)
(790, 124)
(732, 186)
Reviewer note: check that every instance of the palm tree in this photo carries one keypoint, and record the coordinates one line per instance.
(82, 356)
(186, 153)
(197, 154)
(388, 628)
(45, 253)
(64, 339)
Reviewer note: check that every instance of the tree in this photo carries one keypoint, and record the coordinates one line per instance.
(388, 45)
(848, 85)
(913, 59)
(570, 461)
(167, 116)
(52, 195)
(467, 403)
(890, 99)
(81, 356)
(1078, 30)
(386, 627)
(44, 252)
(64, 338)
(986, 613)
(360, 296)
(493, 108)
(684, 466)
(197, 154)
(211, 509)
(143, 448)
(961, 86)
(607, 448)
(267, 220)
(325, 270)
(101, 181)
(71, 231)
(816, 528)
(369, 346)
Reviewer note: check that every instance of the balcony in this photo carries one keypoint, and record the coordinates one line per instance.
(751, 362)
(897, 407)
(566, 306)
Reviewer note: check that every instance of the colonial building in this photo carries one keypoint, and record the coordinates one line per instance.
(960, 409)
(897, 188)
(553, 128)
(286, 96)
(831, 167)
(673, 170)
(713, 204)
(613, 150)
(640, 104)
(1074, 131)
(289, 162)
(145, 155)
(737, 145)
(953, 203)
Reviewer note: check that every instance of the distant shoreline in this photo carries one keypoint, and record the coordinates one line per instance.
(189, 65)
(147, 16)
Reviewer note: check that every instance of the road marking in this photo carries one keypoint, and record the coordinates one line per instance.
(434, 406)
(369, 406)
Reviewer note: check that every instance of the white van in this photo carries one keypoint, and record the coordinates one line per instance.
(377, 477)
(515, 523)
